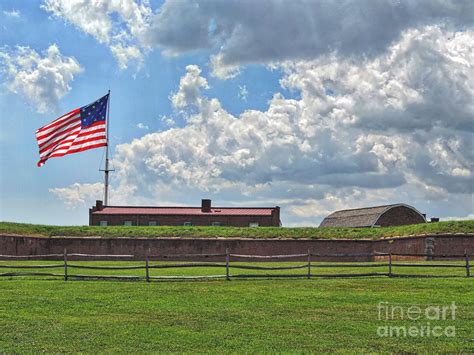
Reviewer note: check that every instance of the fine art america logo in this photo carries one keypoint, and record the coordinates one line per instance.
(416, 321)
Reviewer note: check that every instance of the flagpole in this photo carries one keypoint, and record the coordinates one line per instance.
(106, 170)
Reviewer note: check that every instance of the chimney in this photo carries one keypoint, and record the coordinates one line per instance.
(99, 205)
(205, 205)
(434, 219)
(276, 217)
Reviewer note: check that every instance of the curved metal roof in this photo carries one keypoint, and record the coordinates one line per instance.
(360, 217)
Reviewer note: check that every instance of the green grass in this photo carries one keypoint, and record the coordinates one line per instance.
(232, 232)
(295, 315)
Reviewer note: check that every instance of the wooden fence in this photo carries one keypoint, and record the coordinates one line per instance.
(307, 262)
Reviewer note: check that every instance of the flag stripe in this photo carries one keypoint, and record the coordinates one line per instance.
(53, 145)
(71, 140)
(60, 135)
(67, 123)
(59, 123)
(58, 145)
(99, 134)
(59, 120)
(71, 135)
(86, 146)
(72, 147)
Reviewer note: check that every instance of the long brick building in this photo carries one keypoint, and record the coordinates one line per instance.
(206, 215)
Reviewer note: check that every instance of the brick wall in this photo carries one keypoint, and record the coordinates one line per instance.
(443, 244)
(179, 220)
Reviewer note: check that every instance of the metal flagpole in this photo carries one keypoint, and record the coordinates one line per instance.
(107, 170)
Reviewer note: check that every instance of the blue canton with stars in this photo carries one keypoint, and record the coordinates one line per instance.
(94, 112)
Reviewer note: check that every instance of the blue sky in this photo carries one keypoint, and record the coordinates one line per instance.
(310, 106)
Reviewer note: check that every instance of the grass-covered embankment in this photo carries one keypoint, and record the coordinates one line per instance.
(232, 232)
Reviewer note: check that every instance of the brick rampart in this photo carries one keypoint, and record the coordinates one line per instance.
(440, 245)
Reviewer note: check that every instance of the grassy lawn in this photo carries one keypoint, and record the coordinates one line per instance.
(297, 315)
(230, 232)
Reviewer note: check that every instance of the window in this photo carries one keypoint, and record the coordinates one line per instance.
(253, 224)
(127, 223)
(153, 223)
(187, 224)
(216, 224)
(103, 223)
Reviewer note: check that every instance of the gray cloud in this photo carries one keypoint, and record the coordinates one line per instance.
(239, 32)
(271, 30)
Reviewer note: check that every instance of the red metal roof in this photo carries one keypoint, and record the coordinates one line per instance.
(225, 211)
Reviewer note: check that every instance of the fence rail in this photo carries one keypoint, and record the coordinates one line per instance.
(289, 256)
(30, 256)
(231, 261)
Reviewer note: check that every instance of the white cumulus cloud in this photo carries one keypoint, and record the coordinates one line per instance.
(118, 24)
(42, 79)
(189, 92)
(78, 194)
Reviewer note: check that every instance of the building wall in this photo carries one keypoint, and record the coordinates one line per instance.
(439, 245)
(205, 219)
(178, 220)
(399, 216)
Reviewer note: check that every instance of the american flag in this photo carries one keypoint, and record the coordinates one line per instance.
(76, 131)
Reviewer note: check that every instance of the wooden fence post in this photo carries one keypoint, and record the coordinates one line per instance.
(468, 271)
(227, 262)
(390, 265)
(309, 264)
(146, 267)
(65, 265)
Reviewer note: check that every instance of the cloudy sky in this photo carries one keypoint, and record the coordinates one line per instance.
(310, 105)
